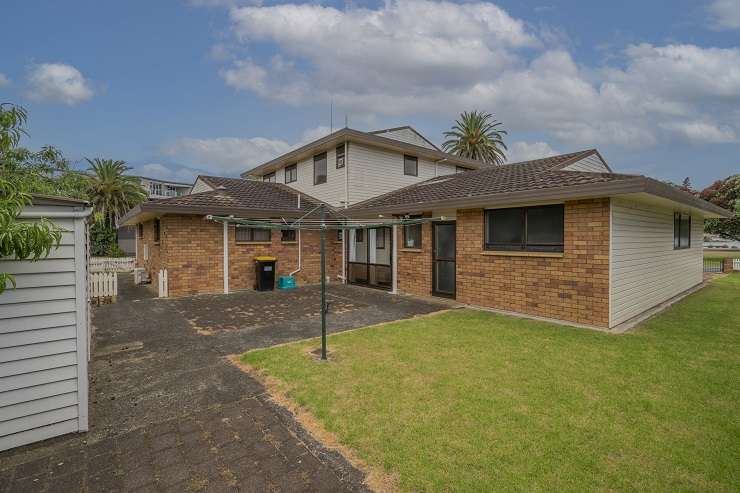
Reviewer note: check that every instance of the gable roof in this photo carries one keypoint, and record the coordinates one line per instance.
(401, 133)
(350, 135)
(527, 181)
(236, 196)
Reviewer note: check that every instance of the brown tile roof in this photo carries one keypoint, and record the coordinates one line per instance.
(232, 196)
(539, 179)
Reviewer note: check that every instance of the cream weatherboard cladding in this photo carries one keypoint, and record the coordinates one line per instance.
(44, 338)
(645, 269)
(592, 163)
(405, 135)
(331, 192)
(374, 171)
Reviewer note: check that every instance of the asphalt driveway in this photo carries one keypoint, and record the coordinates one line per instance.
(169, 412)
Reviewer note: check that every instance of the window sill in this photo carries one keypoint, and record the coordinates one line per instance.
(289, 242)
(504, 253)
(411, 250)
(254, 243)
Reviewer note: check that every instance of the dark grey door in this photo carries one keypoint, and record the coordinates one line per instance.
(443, 259)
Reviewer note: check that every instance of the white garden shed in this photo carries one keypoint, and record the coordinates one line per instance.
(44, 333)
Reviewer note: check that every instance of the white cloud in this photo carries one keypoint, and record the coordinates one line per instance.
(702, 132)
(58, 83)
(525, 151)
(225, 155)
(421, 56)
(725, 14)
(362, 51)
(4, 81)
(233, 155)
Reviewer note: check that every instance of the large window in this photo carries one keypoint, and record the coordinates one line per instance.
(155, 189)
(340, 156)
(287, 235)
(156, 230)
(412, 236)
(319, 169)
(410, 165)
(291, 173)
(245, 233)
(533, 229)
(270, 177)
(681, 231)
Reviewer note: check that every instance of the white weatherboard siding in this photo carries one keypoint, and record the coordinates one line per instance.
(645, 269)
(592, 163)
(406, 135)
(331, 192)
(200, 186)
(43, 339)
(374, 171)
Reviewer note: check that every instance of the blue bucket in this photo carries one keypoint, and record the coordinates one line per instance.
(286, 282)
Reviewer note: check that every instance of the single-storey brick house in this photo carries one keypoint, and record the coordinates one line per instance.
(562, 237)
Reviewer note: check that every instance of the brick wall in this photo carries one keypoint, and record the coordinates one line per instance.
(241, 258)
(191, 249)
(194, 255)
(415, 266)
(573, 288)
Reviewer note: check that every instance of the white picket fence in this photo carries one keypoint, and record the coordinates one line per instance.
(112, 264)
(102, 285)
(736, 264)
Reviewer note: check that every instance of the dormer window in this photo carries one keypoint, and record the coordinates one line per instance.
(340, 156)
(270, 177)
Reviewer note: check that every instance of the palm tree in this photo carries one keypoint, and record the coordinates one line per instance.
(112, 193)
(476, 136)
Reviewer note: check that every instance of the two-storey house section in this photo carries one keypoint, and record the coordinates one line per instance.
(349, 166)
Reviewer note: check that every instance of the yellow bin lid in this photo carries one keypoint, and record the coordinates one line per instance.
(265, 258)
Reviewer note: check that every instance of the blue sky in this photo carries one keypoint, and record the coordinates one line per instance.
(176, 88)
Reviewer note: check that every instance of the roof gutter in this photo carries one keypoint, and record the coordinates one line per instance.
(348, 134)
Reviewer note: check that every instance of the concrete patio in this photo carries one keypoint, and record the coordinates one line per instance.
(169, 412)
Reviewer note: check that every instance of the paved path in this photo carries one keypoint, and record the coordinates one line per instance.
(170, 413)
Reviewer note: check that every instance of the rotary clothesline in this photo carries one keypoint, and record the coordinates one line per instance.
(319, 224)
(322, 223)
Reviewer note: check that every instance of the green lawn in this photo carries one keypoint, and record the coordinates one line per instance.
(473, 401)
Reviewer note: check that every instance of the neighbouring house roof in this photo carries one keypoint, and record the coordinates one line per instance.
(247, 198)
(351, 135)
(528, 181)
(42, 199)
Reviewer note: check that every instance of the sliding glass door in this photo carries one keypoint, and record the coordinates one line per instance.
(370, 257)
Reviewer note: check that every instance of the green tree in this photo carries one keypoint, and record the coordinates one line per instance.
(18, 239)
(112, 193)
(476, 135)
(724, 193)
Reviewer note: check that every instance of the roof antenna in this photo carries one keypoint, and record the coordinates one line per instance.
(346, 120)
(331, 116)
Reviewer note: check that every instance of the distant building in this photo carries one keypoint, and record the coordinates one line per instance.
(157, 189)
(162, 189)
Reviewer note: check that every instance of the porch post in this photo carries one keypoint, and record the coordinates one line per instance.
(344, 256)
(394, 261)
(226, 257)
